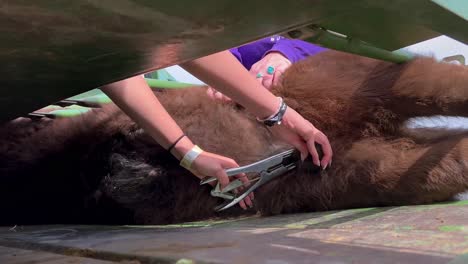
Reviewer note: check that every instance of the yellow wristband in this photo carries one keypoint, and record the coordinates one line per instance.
(190, 156)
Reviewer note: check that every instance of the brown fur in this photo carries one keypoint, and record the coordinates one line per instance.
(359, 103)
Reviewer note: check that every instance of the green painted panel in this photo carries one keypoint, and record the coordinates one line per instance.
(458, 7)
(54, 49)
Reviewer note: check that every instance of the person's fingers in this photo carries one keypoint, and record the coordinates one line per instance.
(226, 99)
(218, 95)
(213, 183)
(210, 92)
(268, 78)
(229, 163)
(246, 185)
(258, 76)
(327, 151)
(242, 205)
(300, 145)
(257, 71)
(252, 196)
(257, 67)
(242, 202)
(213, 94)
(254, 68)
(279, 67)
(260, 80)
(222, 177)
(218, 166)
(277, 78)
(267, 81)
(313, 152)
(279, 73)
(243, 178)
(291, 138)
(248, 201)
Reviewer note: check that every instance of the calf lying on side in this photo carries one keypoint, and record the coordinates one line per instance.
(101, 168)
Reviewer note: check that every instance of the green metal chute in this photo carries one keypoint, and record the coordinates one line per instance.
(85, 44)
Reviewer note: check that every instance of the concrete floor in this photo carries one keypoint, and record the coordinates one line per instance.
(410, 234)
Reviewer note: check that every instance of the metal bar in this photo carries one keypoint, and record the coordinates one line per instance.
(154, 83)
(334, 41)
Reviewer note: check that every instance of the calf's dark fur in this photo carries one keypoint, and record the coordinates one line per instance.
(101, 168)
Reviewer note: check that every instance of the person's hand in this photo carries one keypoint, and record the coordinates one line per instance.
(215, 95)
(300, 133)
(212, 165)
(259, 70)
(209, 164)
(269, 70)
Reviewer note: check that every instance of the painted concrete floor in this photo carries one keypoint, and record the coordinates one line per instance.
(410, 234)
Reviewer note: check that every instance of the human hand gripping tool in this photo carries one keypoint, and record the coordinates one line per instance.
(265, 170)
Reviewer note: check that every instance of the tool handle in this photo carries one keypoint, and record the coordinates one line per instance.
(229, 172)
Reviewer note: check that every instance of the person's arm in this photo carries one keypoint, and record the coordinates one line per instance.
(135, 98)
(138, 101)
(223, 71)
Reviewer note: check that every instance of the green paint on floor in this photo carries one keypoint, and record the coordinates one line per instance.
(185, 261)
(451, 228)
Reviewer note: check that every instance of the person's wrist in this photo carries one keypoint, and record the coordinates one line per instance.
(277, 117)
(182, 147)
(289, 118)
(274, 112)
(270, 109)
(189, 158)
